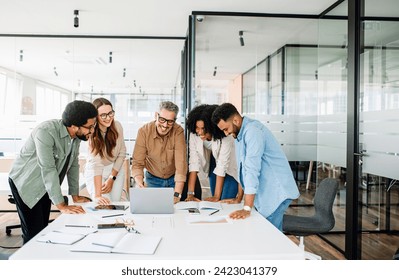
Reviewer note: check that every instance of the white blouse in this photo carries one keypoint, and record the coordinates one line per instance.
(223, 151)
(96, 163)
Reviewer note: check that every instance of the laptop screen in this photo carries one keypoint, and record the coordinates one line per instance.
(151, 200)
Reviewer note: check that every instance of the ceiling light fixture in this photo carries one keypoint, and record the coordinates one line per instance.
(21, 55)
(241, 34)
(55, 71)
(214, 71)
(110, 57)
(76, 19)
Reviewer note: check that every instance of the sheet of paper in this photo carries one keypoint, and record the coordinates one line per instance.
(202, 219)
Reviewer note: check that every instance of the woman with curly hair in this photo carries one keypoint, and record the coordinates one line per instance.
(104, 174)
(211, 154)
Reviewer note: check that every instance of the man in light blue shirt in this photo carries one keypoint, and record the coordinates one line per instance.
(263, 169)
(49, 154)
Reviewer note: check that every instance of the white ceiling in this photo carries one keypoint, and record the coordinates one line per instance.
(83, 64)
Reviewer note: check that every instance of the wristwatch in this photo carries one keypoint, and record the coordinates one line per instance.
(176, 194)
(247, 208)
(112, 177)
(190, 193)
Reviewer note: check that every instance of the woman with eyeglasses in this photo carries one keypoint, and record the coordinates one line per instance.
(212, 155)
(104, 174)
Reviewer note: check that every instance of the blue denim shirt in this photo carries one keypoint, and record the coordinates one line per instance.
(263, 167)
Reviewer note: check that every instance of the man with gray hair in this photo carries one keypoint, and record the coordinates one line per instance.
(160, 148)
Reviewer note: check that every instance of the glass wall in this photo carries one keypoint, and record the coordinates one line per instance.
(332, 114)
(296, 84)
(379, 122)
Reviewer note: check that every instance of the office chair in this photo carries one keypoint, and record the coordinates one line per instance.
(321, 222)
(11, 227)
(396, 255)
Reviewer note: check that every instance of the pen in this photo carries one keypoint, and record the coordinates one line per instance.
(78, 226)
(115, 215)
(214, 212)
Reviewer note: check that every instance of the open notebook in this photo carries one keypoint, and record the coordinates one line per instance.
(121, 242)
(66, 235)
(201, 205)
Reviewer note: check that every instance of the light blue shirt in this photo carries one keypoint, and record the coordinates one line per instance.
(263, 167)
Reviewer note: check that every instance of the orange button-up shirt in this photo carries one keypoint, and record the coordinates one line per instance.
(163, 156)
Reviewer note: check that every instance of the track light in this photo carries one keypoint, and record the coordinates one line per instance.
(21, 55)
(214, 71)
(110, 57)
(76, 19)
(134, 83)
(55, 71)
(241, 33)
(124, 72)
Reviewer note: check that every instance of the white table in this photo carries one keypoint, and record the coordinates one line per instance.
(252, 238)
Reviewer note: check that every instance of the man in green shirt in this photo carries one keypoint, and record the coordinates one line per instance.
(50, 152)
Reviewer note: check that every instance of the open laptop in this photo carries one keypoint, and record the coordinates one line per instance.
(151, 200)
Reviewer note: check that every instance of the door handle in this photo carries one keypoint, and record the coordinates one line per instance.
(361, 155)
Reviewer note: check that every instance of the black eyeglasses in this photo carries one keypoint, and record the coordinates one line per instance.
(163, 120)
(110, 114)
(90, 128)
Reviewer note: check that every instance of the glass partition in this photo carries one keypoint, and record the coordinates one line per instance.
(332, 115)
(379, 122)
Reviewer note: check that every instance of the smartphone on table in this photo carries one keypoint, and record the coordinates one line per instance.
(193, 211)
(111, 207)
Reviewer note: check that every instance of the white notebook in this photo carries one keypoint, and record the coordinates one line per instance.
(118, 242)
(65, 235)
(201, 205)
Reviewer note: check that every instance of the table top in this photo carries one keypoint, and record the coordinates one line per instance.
(251, 238)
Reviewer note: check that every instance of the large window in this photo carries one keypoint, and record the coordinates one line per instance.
(39, 76)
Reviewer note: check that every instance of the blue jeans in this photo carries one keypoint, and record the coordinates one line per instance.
(230, 186)
(156, 182)
(276, 218)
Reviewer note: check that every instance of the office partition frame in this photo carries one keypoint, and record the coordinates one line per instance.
(353, 207)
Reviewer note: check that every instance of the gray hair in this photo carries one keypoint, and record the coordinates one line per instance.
(169, 106)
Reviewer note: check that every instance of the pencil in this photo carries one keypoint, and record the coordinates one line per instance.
(214, 212)
(78, 226)
(115, 215)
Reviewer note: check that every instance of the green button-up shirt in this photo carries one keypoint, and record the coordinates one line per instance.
(36, 169)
